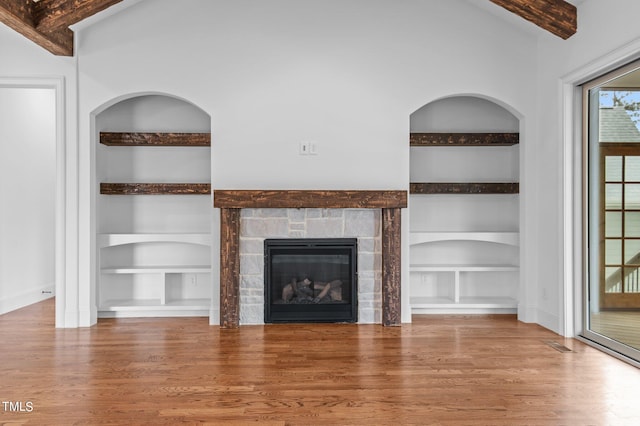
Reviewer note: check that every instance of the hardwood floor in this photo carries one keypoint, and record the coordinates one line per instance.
(439, 370)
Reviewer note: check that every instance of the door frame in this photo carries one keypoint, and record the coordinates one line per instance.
(571, 132)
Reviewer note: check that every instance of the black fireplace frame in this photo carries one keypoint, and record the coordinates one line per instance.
(309, 313)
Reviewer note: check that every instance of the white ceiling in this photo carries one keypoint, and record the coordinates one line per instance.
(110, 11)
(485, 5)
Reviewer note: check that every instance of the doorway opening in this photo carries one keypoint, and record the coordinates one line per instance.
(30, 190)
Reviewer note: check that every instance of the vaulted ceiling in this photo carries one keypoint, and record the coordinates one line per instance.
(47, 22)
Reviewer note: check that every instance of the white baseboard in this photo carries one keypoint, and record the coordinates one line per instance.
(214, 316)
(550, 321)
(18, 301)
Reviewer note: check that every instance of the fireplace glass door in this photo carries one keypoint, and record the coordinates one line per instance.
(310, 280)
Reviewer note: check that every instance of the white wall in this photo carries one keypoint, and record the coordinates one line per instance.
(607, 34)
(344, 74)
(27, 194)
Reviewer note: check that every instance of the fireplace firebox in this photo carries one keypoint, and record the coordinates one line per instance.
(311, 280)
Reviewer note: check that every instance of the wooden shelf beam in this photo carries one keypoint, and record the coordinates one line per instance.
(155, 188)
(155, 139)
(464, 139)
(464, 188)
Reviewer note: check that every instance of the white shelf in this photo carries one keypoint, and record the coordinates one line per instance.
(151, 304)
(164, 269)
(154, 308)
(462, 268)
(111, 240)
(452, 300)
(464, 303)
(509, 238)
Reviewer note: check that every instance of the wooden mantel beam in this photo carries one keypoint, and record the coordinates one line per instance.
(18, 14)
(53, 15)
(556, 16)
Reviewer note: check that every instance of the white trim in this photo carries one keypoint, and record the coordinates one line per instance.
(546, 319)
(572, 241)
(570, 166)
(57, 84)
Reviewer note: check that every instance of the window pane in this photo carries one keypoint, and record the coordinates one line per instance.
(632, 196)
(613, 168)
(613, 196)
(631, 280)
(631, 224)
(632, 252)
(632, 168)
(613, 280)
(613, 252)
(613, 224)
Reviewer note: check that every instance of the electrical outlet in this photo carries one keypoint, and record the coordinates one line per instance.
(304, 148)
(313, 148)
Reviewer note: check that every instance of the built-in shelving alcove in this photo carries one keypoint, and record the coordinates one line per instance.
(464, 207)
(153, 209)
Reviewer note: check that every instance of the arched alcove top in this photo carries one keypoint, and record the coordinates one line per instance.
(152, 113)
(463, 114)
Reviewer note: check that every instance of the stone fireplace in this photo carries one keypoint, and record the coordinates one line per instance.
(249, 217)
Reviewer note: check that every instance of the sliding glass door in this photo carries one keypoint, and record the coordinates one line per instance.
(612, 211)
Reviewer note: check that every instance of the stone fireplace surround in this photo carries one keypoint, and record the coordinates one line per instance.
(231, 202)
(257, 225)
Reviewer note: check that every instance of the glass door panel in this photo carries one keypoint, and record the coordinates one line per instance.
(612, 226)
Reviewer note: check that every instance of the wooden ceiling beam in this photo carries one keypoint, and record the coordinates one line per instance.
(18, 14)
(53, 15)
(556, 16)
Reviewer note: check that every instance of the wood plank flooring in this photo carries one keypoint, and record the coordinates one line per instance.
(439, 370)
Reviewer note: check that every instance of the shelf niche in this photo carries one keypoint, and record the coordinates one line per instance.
(464, 250)
(153, 253)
